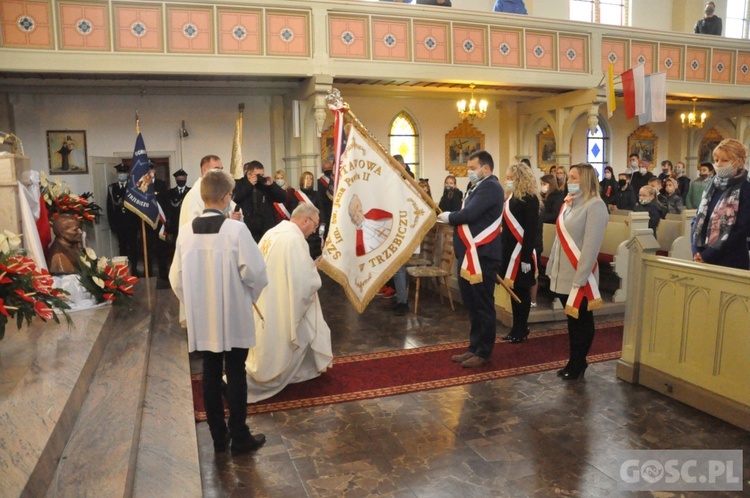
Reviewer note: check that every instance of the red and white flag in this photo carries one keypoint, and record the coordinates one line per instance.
(656, 99)
(377, 222)
(633, 89)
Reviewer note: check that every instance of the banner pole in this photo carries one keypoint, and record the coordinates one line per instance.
(405, 174)
(145, 248)
(507, 289)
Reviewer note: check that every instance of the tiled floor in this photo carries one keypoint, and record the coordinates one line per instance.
(533, 435)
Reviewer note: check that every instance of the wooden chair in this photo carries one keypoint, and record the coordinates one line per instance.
(441, 270)
(426, 256)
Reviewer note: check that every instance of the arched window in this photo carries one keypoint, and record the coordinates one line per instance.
(404, 140)
(596, 150)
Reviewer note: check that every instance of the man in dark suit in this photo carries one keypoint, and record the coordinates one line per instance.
(122, 222)
(176, 196)
(255, 193)
(325, 196)
(477, 224)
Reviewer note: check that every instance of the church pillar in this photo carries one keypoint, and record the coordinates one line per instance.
(313, 114)
(278, 134)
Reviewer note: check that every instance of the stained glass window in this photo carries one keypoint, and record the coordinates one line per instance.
(596, 150)
(404, 140)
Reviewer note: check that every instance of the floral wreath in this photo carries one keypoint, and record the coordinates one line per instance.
(59, 201)
(104, 281)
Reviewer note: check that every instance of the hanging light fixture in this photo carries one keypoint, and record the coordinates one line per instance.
(474, 109)
(691, 120)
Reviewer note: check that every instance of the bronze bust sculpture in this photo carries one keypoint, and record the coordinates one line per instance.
(65, 251)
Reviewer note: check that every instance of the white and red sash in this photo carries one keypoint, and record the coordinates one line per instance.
(302, 197)
(470, 269)
(515, 258)
(324, 180)
(282, 210)
(591, 289)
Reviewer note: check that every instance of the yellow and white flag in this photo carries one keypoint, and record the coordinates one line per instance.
(236, 167)
(377, 222)
(611, 102)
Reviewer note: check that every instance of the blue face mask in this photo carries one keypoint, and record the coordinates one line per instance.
(509, 185)
(122, 176)
(573, 188)
(473, 177)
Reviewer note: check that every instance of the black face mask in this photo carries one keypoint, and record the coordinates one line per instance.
(709, 11)
(622, 183)
(328, 172)
(181, 183)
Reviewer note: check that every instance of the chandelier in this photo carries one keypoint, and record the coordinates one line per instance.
(691, 120)
(472, 111)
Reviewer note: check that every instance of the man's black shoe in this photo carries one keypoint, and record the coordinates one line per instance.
(252, 443)
(222, 444)
(401, 309)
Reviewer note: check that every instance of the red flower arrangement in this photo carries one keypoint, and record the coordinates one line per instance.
(27, 291)
(104, 281)
(59, 201)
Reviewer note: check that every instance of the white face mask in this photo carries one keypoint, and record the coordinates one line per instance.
(545, 188)
(573, 188)
(724, 171)
(474, 177)
(280, 182)
(509, 185)
(608, 175)
(643, 171)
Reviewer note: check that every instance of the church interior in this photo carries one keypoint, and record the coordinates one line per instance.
(105, 407)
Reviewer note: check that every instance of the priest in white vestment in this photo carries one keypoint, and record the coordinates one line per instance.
(293, 342)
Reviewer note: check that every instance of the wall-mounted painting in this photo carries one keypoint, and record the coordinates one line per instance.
(460, 143)
(546, 149)
(66, 150)
(644, 143)
(710, 140)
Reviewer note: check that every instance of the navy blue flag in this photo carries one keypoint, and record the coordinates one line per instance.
(140, 197)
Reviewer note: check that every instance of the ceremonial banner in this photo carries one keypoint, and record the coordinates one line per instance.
(140, 197)
(377, 222)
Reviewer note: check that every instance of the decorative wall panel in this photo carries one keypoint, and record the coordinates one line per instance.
(431, 42)
(83, 26)
(348, 37)
(643, 53)
(469, 45)
(616, 51)
(670, 61)
(26, 24)
(573, 54)
(288, 33)
(240, 32)
(743, 68)
(189, 30)
(505, 48)
(696, 64)
(390, 39)
(722, 64)
(540, 50)
(138, 28)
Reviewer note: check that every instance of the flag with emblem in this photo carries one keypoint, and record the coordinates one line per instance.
(378, 218)
(140, 197)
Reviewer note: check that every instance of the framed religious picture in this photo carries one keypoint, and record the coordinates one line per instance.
(66, 151)
(546, 149)
(710, 140)
(460, 143)
(644, 143)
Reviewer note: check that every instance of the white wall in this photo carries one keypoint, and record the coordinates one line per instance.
(109, 122)
(435, 118)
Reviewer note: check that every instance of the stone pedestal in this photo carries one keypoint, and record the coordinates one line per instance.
(12, 167)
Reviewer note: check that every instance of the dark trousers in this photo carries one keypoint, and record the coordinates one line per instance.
(479, 300)
(233, 362)
(157, 250)
(580, 334)
(521, 312)
(127, 241)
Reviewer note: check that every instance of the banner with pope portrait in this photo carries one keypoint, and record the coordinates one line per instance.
(378, 219)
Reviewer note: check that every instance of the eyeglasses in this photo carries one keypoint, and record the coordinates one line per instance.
(313, 221)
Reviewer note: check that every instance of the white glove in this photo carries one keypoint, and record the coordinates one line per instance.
(444, 216)
(526, 267)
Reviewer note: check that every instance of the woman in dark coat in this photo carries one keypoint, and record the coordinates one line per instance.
(452, 197)
(608, 187)
(552, 197)
(306, 193)
(518, 264)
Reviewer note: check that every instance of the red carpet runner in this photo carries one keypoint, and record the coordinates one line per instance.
(397, 372)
